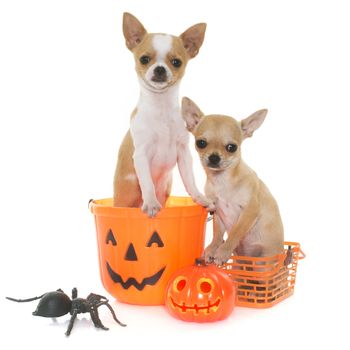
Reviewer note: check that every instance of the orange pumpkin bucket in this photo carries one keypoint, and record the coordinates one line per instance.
(138, 254)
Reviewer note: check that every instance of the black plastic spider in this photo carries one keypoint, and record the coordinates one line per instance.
(57, 303)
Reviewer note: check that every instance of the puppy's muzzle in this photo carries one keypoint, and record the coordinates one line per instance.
(214, 160)
(159, 75)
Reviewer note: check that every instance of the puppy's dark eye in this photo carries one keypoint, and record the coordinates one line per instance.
(176, 62)
(231, 147)
(145, 59)
(201, 143)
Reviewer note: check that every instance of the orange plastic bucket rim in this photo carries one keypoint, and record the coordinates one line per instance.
(104, 207)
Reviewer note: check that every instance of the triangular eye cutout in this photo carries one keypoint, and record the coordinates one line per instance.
(110, 238)
(155, 239)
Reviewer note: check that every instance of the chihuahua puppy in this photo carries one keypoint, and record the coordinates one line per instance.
(245, 208)
(157, 138)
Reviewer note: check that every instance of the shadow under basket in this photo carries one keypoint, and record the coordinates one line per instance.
(264, 282)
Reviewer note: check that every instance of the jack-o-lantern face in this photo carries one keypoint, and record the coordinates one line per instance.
(130, 255)
(138, 254)
(200, 293)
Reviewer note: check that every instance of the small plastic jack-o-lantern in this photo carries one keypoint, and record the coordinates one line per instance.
(200, 293)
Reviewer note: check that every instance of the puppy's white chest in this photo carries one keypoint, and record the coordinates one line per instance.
(228, 212)
(164, 146)
(229, 201)
(156, 132)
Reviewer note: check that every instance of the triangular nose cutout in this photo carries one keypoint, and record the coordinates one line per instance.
(130, 253)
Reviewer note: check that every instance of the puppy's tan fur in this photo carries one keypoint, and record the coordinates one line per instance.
(245, 208)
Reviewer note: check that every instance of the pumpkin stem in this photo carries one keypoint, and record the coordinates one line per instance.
(200, 261)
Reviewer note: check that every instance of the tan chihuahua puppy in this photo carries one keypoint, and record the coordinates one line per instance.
(245, 208)
(157, 138)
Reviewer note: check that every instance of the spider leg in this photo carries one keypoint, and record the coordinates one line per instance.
(71, 322)
(113, 314)
(93, 296)
(24, 300)
(99, 324)
(93, 318)
(100, 296)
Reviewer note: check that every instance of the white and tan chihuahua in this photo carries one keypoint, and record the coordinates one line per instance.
(245, 208)
(157, 138)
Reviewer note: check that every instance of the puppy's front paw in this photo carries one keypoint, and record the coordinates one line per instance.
(209, 253)
(151, 208)
(205, 202)
(222, 254)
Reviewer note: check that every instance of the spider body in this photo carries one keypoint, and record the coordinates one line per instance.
(57, 303)
(53, 304)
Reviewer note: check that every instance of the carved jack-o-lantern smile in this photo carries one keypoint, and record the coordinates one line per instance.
(131, 255)
(131, 281)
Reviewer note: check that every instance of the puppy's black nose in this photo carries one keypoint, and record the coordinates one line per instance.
(159, 70)
(159, 73)
(214, 159)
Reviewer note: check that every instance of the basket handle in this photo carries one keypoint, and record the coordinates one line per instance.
(90, 204)
(210, 216)
(302, 255)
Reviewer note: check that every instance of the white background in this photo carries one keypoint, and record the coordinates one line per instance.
(67, 88)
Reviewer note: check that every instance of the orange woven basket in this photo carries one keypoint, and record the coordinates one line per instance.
(264, 282)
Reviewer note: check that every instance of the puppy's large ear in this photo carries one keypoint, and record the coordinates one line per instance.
(133, 30)
(191, 113)
(193, 38)
(253, 122)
